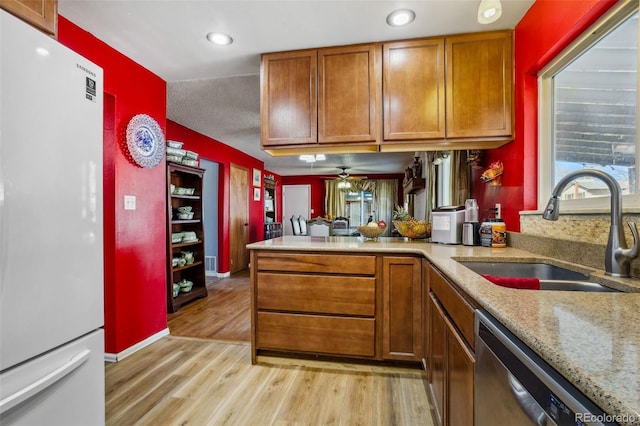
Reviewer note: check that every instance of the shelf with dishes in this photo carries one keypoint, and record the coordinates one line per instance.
(192, 265)
(185, 248)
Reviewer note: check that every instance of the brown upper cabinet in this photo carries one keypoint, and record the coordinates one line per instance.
(348, 94)
(289, 107)
(343, 109)
(42, 14)
(414, 89)
(392, 96)
(479, 85)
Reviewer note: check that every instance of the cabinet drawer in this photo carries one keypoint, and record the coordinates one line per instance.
(332, 294)
(315, 333)
(460, 311)
(324, 263)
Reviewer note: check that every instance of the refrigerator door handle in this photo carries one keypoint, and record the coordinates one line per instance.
(40, 385)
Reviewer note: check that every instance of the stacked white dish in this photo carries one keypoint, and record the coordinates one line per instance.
(189, 237)
(176, 154)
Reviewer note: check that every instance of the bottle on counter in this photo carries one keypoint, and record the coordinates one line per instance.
(498, 233)
(493, 233)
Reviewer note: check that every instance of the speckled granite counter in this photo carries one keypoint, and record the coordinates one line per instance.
(593, 339)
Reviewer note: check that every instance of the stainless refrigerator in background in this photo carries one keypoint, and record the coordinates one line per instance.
(51, 232)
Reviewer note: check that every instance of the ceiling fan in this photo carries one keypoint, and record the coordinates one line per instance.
(344, 178)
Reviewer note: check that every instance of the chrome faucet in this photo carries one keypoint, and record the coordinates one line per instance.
(618, 257)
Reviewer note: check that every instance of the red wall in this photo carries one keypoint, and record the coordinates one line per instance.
(546, 29)
(135, 271)
(225, 155)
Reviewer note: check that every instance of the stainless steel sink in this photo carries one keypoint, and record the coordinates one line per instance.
(575, 286)
(543, 271)
(551, 277)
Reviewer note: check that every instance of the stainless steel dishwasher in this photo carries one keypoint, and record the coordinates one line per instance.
(514, 386)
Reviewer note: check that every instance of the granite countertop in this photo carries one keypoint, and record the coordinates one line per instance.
(593, 339)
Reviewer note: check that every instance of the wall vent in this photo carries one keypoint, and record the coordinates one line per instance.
(210, 265)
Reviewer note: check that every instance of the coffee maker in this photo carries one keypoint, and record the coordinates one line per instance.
(471, 225)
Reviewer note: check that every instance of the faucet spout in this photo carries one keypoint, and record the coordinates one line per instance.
(617, 256)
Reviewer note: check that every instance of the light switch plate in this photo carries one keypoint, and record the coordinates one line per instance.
(129, 202)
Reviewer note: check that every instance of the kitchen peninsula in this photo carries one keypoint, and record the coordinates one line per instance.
(344, 296)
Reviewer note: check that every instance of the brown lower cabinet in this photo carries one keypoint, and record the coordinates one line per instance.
(402, 316)
(366, 306)
(450, 356)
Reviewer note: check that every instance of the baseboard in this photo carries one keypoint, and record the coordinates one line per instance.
(224, 274)
(109, 357)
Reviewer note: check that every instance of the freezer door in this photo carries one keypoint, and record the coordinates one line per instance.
(51, 220)
(64, 387)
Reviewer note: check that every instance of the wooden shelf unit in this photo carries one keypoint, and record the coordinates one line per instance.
(186, 177)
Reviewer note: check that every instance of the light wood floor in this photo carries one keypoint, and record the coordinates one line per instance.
(178, 381)
(202, 375)
(223, 315)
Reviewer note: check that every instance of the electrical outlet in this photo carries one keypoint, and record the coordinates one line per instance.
(499, 210)
(129, 202)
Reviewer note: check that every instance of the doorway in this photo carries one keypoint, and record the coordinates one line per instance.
(210, 209)
(238, 218)
(296, 201)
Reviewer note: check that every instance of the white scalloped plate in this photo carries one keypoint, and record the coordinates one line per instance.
(145, 141)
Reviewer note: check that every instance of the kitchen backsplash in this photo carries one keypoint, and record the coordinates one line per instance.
(584, 228)
(575, 238)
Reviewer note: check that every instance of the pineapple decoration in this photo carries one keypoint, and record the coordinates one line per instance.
(400, 214)
(409, 226)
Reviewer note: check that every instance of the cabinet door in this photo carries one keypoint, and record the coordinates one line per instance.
(460, 379)
(348, 94)
(288, 98)
(437, 357)
(479, 85)
(413, 89)
(42, 14)
(402, 317)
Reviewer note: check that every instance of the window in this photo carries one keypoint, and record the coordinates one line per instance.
(588, 112)
(442, 163)
(359, 207)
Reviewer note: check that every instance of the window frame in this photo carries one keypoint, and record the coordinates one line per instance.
(609, 21)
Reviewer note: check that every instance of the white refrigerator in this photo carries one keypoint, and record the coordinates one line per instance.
(51, 232)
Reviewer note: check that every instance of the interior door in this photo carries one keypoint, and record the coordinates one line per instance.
(239, 218)
(296, 201)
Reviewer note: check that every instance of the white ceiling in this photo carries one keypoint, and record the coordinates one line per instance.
(215, 89)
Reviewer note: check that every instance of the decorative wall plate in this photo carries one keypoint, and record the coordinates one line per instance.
(145, 141)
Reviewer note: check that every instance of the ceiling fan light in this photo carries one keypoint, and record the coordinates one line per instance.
(489, 11)
(401, 17)
(310, 158)
(344, 184)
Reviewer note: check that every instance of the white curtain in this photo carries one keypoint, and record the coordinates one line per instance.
(385, 197)
(335, 199)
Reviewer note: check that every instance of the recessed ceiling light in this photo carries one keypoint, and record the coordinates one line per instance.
(401, 17)
(489, 11)
(220, 38)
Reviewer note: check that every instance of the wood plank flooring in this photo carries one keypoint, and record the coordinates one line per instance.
(179, 381)
(223, 315)
(202, 375)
